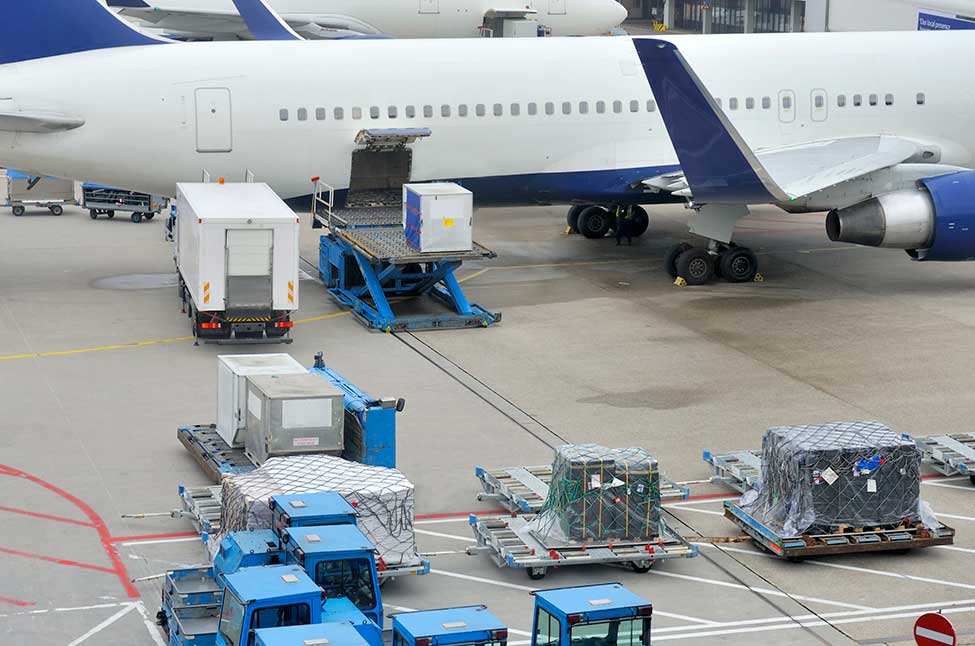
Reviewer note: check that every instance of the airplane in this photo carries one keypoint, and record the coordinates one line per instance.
(844, 118)
(315, 19)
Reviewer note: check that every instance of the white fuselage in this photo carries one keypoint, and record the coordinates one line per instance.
(566, 142)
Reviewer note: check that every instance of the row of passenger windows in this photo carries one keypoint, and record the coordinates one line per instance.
(819, 101)
(479, 109)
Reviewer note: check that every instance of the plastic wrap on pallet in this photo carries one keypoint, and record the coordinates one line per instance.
(823, 478)
(601, 494)
(383, 497)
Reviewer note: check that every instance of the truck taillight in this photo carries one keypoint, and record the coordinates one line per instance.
(209, 326)
(281, 324)
(573, 619)
(644, 611)
(498, 635)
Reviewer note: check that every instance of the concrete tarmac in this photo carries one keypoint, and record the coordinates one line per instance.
(596, 345)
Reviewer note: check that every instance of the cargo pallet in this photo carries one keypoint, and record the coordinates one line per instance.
(855, 540)
(511, 543)
(949, 455)
(365, 262)
(524, 489)
(740, 470)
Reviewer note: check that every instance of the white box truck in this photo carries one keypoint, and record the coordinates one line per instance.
(438, 217)
(237, 259)
(232, 373)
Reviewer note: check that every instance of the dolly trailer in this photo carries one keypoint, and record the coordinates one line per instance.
(592, 615)
(466, 626)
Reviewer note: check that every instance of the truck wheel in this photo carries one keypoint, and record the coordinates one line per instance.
(19, 211)
(57, 209)
(536, 573)
(136, 217)
(93, 214)
(110, 214)
(148, 216)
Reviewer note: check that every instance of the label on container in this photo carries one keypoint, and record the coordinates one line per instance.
(829, 475)
(594, 482)
(254, 405)
(305, 441)
(871, 486)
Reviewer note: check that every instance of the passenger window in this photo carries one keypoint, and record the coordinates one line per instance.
(302, 114)
(617, 107)
(498, 110)
(651, 105)
(819, 101)
(320, 114)
(766, 103)
(444, 110)
(888, 99)
(841, 100)
(920, 98)
(786, 102)
(410, 111)
(600, 107)
(479, 110)
(634, 106)
(462, 110)
(374, 112)
(857, 100)
(356, 112)
(391, 112)
(750, 103)
(515, 109)
(583, 107)
(532, 109)
(566, 107)
(873, 99)
(428, 111)
(733, 103)
(338, 113)
(549, 107)
(283, 114)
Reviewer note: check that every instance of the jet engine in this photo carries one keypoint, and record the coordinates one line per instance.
(934, 221)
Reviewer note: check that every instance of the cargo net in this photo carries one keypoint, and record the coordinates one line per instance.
(601, 495)
(383, 497)
(827, 478)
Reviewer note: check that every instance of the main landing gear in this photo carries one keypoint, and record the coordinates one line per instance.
(595, 221)
(698, 265)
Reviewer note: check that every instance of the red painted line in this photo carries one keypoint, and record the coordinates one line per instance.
(934, 476)
(149, 537)
(17, 602)
(34, 514)
(51, 559)
(118, 568)
(780, 221)
(459, 514)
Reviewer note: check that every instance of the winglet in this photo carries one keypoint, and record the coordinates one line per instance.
(40, 28)
(717, 163)
(264, 22)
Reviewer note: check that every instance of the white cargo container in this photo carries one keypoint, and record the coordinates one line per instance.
(232, 373)
(237, 256)
(438, 217)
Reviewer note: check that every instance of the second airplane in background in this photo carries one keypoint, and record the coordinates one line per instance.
(317, 19)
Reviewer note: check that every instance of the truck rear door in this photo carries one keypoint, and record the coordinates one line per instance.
(249, 271)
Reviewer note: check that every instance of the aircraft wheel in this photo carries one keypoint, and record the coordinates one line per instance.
(572, 217)
(695, 265)
(640, 222)
(595, 222)
(670, 260)
(738, 265)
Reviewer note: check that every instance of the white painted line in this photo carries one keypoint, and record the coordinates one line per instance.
(435, 521)
(44, 610)
(955, 549)
(698, 511)
(895, 575)
(105, 624)
(941, 514)
(150, 625)
(696, 620)
(706, 501)
(466, 539)
(941, 638)
(947, 486)
(164, 540)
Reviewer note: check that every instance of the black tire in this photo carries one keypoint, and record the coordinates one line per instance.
(640, 222)
(148, 216)
(93, 214)
(972, 478)
(572, 217)
(595, 222)
(642, 567)
(19, 211)
(696, 266)
(670, 260)
(110, 214)
(136, 217)
(536, 573)
(56, 209)
(738, 265)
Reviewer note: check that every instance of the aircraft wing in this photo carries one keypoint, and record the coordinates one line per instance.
(40, 122)
(717, 164)
(223, 25)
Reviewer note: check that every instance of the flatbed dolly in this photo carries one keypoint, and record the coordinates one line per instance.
(366, 263)
(949, 454)
(510, 542)
(856, 540)
(524, 489)
(104, 200)
(740, 470)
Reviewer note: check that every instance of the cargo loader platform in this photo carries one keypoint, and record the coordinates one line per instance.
(853, 540)
(511, 542)
(367, 264)
(740, 470)
(949, 454)
(524, 489)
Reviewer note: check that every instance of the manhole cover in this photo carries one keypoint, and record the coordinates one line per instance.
(136, 281)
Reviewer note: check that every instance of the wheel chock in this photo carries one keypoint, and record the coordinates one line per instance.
(759, 278)
(569, 231)
(680, 282)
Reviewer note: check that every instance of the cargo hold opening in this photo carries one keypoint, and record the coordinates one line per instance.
(381, 165)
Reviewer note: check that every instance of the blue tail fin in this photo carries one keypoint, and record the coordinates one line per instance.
(264, 22)
(40, 28)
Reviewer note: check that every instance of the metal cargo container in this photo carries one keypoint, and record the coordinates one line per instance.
(438, 217)
(232, 373)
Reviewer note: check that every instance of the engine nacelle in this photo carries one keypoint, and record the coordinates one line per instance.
(935, 221)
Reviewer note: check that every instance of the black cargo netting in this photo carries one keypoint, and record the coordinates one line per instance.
(830, 477)
(601, 494)
(383, 497)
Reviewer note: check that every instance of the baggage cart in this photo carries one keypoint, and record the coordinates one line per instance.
(23, 191)
(949, 454)
(105, 200)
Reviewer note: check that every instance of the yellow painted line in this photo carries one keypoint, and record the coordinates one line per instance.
(581, 263)
(322, 317)
(118, 346)
(474, 275)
